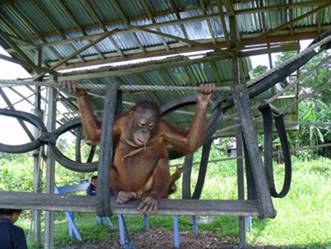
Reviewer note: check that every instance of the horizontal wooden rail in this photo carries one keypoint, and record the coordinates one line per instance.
(54, 202)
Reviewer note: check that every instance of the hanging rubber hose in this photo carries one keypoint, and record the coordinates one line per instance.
(269, 113)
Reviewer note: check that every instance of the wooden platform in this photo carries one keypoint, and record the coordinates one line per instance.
(54, 202)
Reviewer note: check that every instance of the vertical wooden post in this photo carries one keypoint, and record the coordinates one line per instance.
(106, 151)
(37, 161)
(241, 100)
(186, 182)
(241, 187)
(37, 188)
(50, 168)
(242, 104)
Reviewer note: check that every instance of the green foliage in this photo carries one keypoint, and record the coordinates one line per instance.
(285, 56)
(302, 217)
(315, 111)
(16, 174)
(310, 113)
(258, 70)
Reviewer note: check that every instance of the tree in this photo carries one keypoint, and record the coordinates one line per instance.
(314, 111)
(258, 70)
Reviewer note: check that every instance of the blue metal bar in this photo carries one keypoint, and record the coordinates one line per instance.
(176, 232)
(73, 228)
(195, 228)
(99, 220)
(70, 230)
(108, 222)
(121, 229)
(146, 224)
(249, 223)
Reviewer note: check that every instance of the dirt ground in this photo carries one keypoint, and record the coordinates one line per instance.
(157, 239)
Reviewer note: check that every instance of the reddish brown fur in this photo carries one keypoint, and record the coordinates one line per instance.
(146, 173)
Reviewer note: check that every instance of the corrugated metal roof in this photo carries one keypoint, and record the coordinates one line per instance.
(197, 26)
(75, 15)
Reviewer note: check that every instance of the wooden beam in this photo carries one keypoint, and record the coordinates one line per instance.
(73, 20)
(127, 21)
(111, 57)
(87, 46)
(204, 9)
(189, 42)
(232, 15)
(25, 64)
(13, 28)
(222, 18)
(150, 15)
(46, 17)
(262, 21)
(284, 25)
(290, 13)
(153, 66)
(53, 202)
(156, 25)
(319, 19)
(17, 39)
(134, 69)
(31, 26)
(25, 60)
(93, 12)
(195, 18)
(51, 23)
(181, 25)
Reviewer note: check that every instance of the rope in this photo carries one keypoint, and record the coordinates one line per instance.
(127, 88)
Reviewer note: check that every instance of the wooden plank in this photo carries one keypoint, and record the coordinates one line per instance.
(53, 202)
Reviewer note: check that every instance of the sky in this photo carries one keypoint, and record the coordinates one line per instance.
(12, 133)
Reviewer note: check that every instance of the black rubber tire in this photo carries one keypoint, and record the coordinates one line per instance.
(32, 119)
(65, 161)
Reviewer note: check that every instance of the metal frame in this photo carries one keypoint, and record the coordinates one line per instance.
(76, 59)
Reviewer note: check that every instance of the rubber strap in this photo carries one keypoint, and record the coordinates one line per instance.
(268, 150)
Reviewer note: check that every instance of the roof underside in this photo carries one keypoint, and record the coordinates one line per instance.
(66, 34)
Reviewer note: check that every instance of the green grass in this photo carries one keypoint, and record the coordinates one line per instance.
(303, 217)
